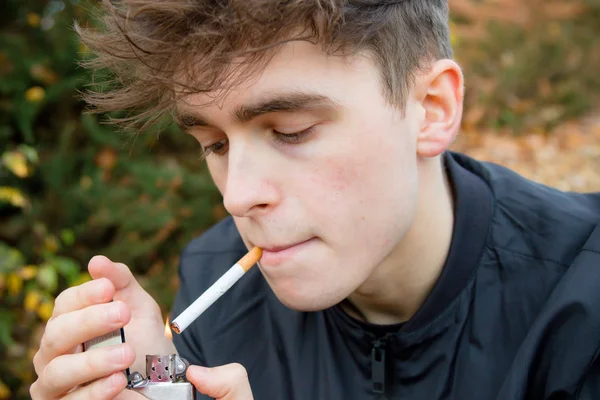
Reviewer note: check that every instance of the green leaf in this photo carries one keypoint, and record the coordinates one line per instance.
(67, 236)
(30, 153)
(6, 323)
(100, 134)
(66, 86)
(25, 115)
(10, 258)
(47, 277)
(67, 268)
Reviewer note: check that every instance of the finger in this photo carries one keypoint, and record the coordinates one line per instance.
(82, 296)
(127, 287)
(105, 388)
(117, 273)
(228, 382)
(66, 331)
(71, 370)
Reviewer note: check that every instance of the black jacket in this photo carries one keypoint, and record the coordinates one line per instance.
(514, 315)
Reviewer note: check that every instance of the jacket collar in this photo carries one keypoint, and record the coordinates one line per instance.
(473, 214)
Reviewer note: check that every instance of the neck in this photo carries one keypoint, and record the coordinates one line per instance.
(402, 282)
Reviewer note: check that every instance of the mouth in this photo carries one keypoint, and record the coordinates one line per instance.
(276, 254)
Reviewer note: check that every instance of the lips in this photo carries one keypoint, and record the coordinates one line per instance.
(275, 249)
(276, 254)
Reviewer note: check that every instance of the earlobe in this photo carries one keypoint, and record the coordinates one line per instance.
(442, 100)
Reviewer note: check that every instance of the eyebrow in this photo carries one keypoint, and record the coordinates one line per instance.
(286, 102)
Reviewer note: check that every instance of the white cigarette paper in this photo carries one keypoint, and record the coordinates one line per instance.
(213, 293)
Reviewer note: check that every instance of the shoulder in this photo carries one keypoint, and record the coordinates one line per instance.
(212, 253)
(223, 237)
(535, 220)
(535, 226)
(560, 352)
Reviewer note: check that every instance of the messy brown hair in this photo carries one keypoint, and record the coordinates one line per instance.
(158, 50)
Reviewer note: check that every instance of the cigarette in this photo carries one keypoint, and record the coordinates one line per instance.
(213, 293)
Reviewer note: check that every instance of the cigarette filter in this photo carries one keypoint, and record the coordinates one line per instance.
(213, 293)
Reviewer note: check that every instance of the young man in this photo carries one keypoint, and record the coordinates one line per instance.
(392, 268)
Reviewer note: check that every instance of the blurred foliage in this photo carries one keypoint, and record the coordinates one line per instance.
(72, 187)
(529, 65)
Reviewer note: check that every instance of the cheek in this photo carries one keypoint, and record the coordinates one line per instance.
(334, 181)
(365, 200)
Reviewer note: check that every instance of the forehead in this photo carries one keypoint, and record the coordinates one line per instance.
(296, 66)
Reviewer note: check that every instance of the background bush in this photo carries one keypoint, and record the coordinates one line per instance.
(71, 187)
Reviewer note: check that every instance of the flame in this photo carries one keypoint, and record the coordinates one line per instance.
(168, 333)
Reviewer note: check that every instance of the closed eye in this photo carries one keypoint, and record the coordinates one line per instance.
(221, 147)
(218, 148)
(293, 137)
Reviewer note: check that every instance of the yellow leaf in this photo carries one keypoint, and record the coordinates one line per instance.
(16, 162)
(35, 94)
(83, 49)
(13, 196)
(32, 300)
(44, 74)
(45, 310)
(86, 182)
(33, 20)
(4, 391)
(82, 278)
(51, 244)
(28, 272)
(14, 283)
(454, 39)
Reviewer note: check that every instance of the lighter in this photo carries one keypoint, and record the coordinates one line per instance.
(165, 379)
(165, 373)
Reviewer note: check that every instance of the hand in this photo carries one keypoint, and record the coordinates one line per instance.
(228, 382)
(86, 311)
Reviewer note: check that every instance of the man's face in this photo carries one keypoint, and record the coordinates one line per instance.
(316, 168)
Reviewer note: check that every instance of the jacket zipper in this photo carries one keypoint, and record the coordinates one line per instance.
(378, 366)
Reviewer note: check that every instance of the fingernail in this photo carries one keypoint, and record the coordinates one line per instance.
(114, 312)
(118, 354)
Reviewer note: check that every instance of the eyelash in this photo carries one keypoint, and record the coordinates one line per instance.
(220, 148)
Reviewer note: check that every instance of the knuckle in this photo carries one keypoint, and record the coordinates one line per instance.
(50, 378)
(36, 360)
(34, 391)
(38, 363)
(61, 302)
(90, 363)
(238, 371)
(48, 343)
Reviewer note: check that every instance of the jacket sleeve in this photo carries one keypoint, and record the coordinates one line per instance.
(590, 387)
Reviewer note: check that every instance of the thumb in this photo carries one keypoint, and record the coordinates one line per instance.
(127, 288)
(228, 382)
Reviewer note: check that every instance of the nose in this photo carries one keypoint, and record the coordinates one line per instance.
(250, 188)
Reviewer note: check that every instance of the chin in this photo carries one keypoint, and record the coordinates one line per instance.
(309, 300)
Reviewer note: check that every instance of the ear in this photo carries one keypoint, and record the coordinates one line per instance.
(440, 93)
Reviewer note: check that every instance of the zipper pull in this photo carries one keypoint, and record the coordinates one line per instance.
(378, 366)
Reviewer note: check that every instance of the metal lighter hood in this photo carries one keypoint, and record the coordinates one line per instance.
(165, 374)
(165, 379)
